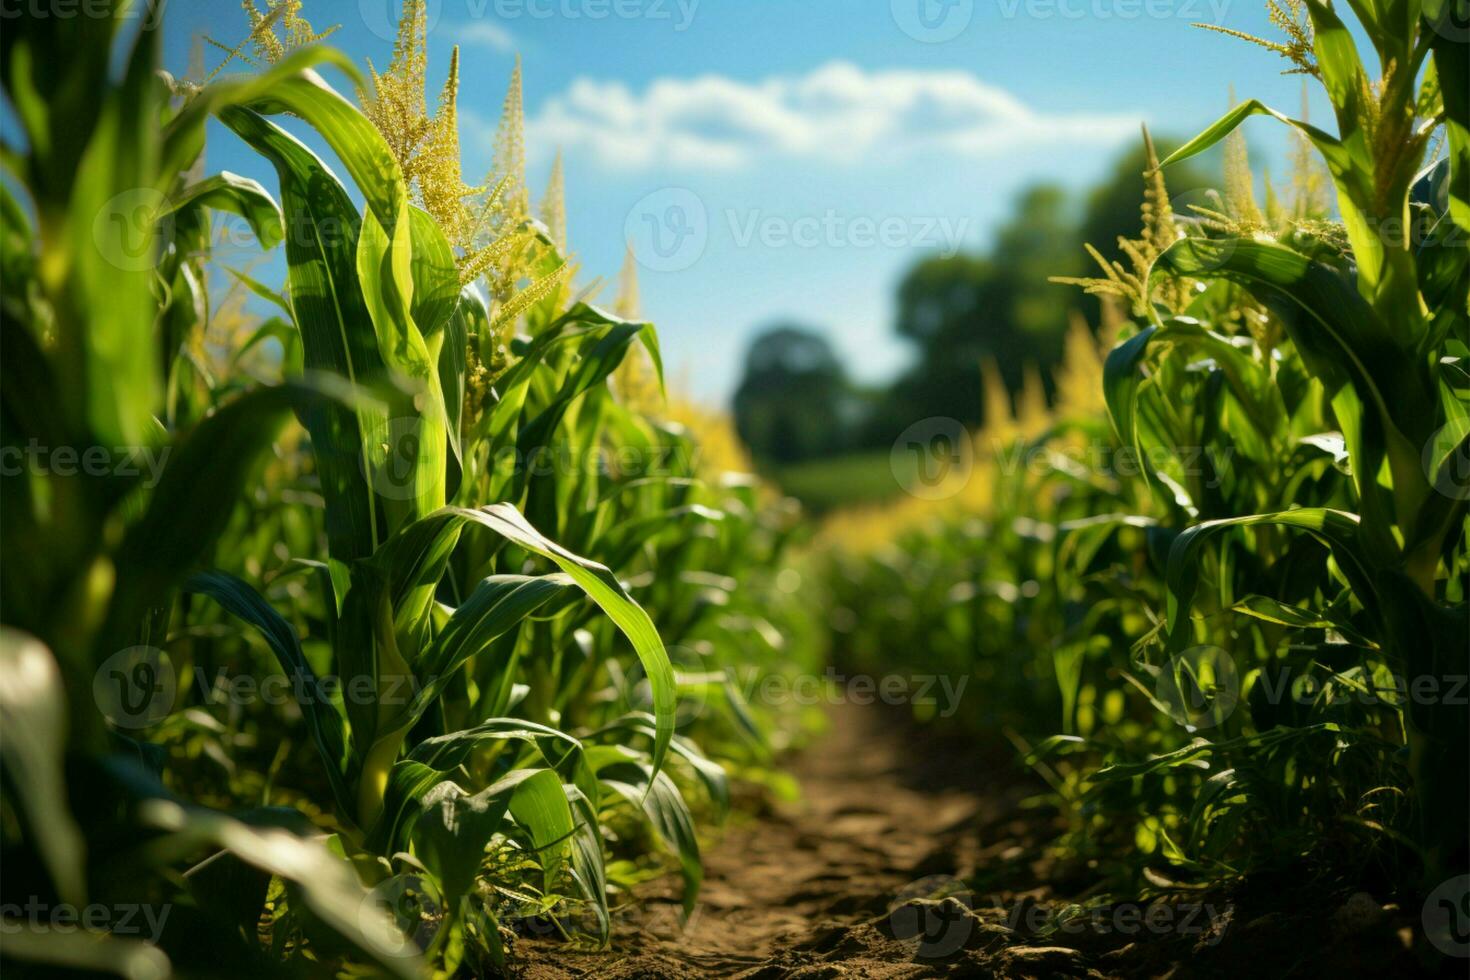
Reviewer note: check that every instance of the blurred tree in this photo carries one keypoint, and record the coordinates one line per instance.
(794, 401)
(957, 311)
(963, 309)
(960, 310)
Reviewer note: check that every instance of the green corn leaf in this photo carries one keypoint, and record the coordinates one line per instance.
(540, 806)
(415, 439)
(1342, 340)
(322, 718)
(1121, 378)
(283, 332)
(238, 195)
(89, 951)
(408, 451)
(1342, 337)
(260, 289)
(1348, 160)
(408, 782)
(496, 604)
(658, 799)
(1452, 65)
(446, 752)
(328, 307)
(435, 278)
(588, 868)
(711, 774)
(469, 318)
(600, 584)
(327, 884)
(351, 136)
(433, 759)
(183, 135)
(115, 236)
(499, 604)
(1275, 611)
(1337, 58)
(179, 524)
(453, 828)
(1334, 528)
(600, 351)
(33, 712)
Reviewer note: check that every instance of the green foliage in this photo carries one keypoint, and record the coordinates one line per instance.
(485, 595)
(1246, 601)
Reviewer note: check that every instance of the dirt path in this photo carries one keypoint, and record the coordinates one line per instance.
(866, 877)
(799, 888)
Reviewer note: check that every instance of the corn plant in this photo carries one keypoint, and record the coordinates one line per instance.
(102, 295)
(487, 724)
(1231, 633)
(1380, 332)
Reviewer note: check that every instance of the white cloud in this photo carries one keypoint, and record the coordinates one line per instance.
(837, 113)
(486, 34)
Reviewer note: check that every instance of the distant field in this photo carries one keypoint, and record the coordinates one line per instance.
(839, 481)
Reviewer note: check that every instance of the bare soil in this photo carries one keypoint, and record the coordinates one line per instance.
(910, 855)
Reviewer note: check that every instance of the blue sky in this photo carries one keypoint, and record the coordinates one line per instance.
(788, 161)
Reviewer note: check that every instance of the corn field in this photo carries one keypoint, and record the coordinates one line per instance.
(398, 616)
